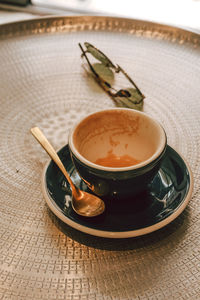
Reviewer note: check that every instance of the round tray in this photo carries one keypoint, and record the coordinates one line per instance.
(43, 83)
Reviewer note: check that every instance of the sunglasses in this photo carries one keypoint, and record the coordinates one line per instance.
(130, 97)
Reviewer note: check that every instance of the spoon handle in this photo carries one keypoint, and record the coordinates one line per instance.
(37, 133)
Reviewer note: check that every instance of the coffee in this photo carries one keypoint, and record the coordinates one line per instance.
(114, 161)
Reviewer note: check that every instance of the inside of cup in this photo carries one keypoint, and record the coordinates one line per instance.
(118, 132)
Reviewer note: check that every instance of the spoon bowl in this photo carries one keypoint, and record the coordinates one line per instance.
(83, 203)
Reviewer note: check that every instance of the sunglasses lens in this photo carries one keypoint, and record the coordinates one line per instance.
(123, 93)
(99, 55)
(135, 100)
(135, 95)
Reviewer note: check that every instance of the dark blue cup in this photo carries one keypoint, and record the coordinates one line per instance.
(117, 152)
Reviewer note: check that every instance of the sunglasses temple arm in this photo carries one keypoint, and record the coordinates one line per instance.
(134, 84)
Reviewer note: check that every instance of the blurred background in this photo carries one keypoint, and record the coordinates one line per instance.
(180, 13)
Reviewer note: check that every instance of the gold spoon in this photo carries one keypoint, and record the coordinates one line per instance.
(84, 204)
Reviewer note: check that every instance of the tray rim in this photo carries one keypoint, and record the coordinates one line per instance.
(35, 26)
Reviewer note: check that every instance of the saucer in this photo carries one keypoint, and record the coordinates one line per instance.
(166, 198)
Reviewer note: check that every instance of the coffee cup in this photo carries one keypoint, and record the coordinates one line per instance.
(117, 152)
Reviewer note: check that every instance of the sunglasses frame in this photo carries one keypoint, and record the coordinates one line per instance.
(106, 86)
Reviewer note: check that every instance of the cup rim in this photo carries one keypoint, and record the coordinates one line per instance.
(142, 164)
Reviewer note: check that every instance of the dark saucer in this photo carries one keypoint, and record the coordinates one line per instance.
(166, 197)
